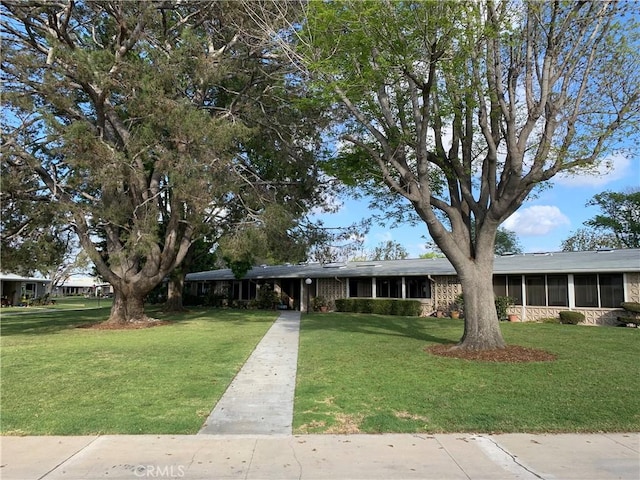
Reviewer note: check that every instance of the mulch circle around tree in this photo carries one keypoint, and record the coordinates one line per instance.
(123, 326)
(509, 354)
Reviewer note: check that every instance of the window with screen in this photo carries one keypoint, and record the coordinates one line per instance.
(500, 285)
(557, 290)
(418, 287)
(611, 290)
(360, 287)
(389, 287)
(536, 295)
(586, 290)
(514, 290)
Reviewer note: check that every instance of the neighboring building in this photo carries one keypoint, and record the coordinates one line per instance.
(16, 289)
(542, 284)
(82, 285)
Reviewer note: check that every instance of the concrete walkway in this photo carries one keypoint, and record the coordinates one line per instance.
(259, 400)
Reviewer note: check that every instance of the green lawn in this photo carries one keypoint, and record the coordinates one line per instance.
(371, 374)
(57, 379)
(78, 302)
(356, 373)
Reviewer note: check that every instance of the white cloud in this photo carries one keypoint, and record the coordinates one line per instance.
(536, 220)
(615, 167)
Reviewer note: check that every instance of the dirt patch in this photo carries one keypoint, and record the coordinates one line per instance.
(123, 326)
(410, 416)
(307, 427)
(346, 424)
(509, 354)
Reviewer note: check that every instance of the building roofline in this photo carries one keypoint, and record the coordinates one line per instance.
(602, 261)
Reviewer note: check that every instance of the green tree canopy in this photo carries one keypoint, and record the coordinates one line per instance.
(585, 239)
(620, 216)
(453, 112)
(146, 125)
(616, 226)
(507, 242)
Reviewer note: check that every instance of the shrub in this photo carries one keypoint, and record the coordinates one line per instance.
(364, 305)
(319, 302)
(214, 300)
(407, 308)
(342, 305)
(631, 306)
(267, 297)
(549, 320)
(570, 317)
(382, 307)
(629, 320)
(502, 304)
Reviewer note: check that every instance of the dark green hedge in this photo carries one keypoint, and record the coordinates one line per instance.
(570, 317)
(631, 306)
(380, 306)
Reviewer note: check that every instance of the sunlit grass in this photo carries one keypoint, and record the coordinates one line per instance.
(356, 373)
(57, 379)
(370, 373)
(78, 302)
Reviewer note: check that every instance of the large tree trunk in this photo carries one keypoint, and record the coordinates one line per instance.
(481, 323)
(128, 307)
(174, 292)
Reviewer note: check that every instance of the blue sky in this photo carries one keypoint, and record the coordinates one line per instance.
(540, 224)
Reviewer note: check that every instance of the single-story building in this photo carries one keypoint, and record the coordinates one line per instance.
(16, 289)
(82, 285)
(541, 284)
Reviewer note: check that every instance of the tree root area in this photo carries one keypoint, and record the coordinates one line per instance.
(124, 326)
(509, 354)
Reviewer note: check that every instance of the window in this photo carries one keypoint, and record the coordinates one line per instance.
(611, 290)
(542, 290)
(508, 286)
(418, 287)
(236, 290)
(360, 287)
(389, 287)
(249, 290)
(536, 294)
(586, 288)
(603, 290)
(557, 290)
(514, 288)
(500, 286)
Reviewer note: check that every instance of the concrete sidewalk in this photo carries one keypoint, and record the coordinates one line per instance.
(340, 457)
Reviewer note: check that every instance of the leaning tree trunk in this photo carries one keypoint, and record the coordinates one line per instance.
(481, 323)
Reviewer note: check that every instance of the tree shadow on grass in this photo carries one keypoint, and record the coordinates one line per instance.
(419, 328)
(36, 323)
(41, 323)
